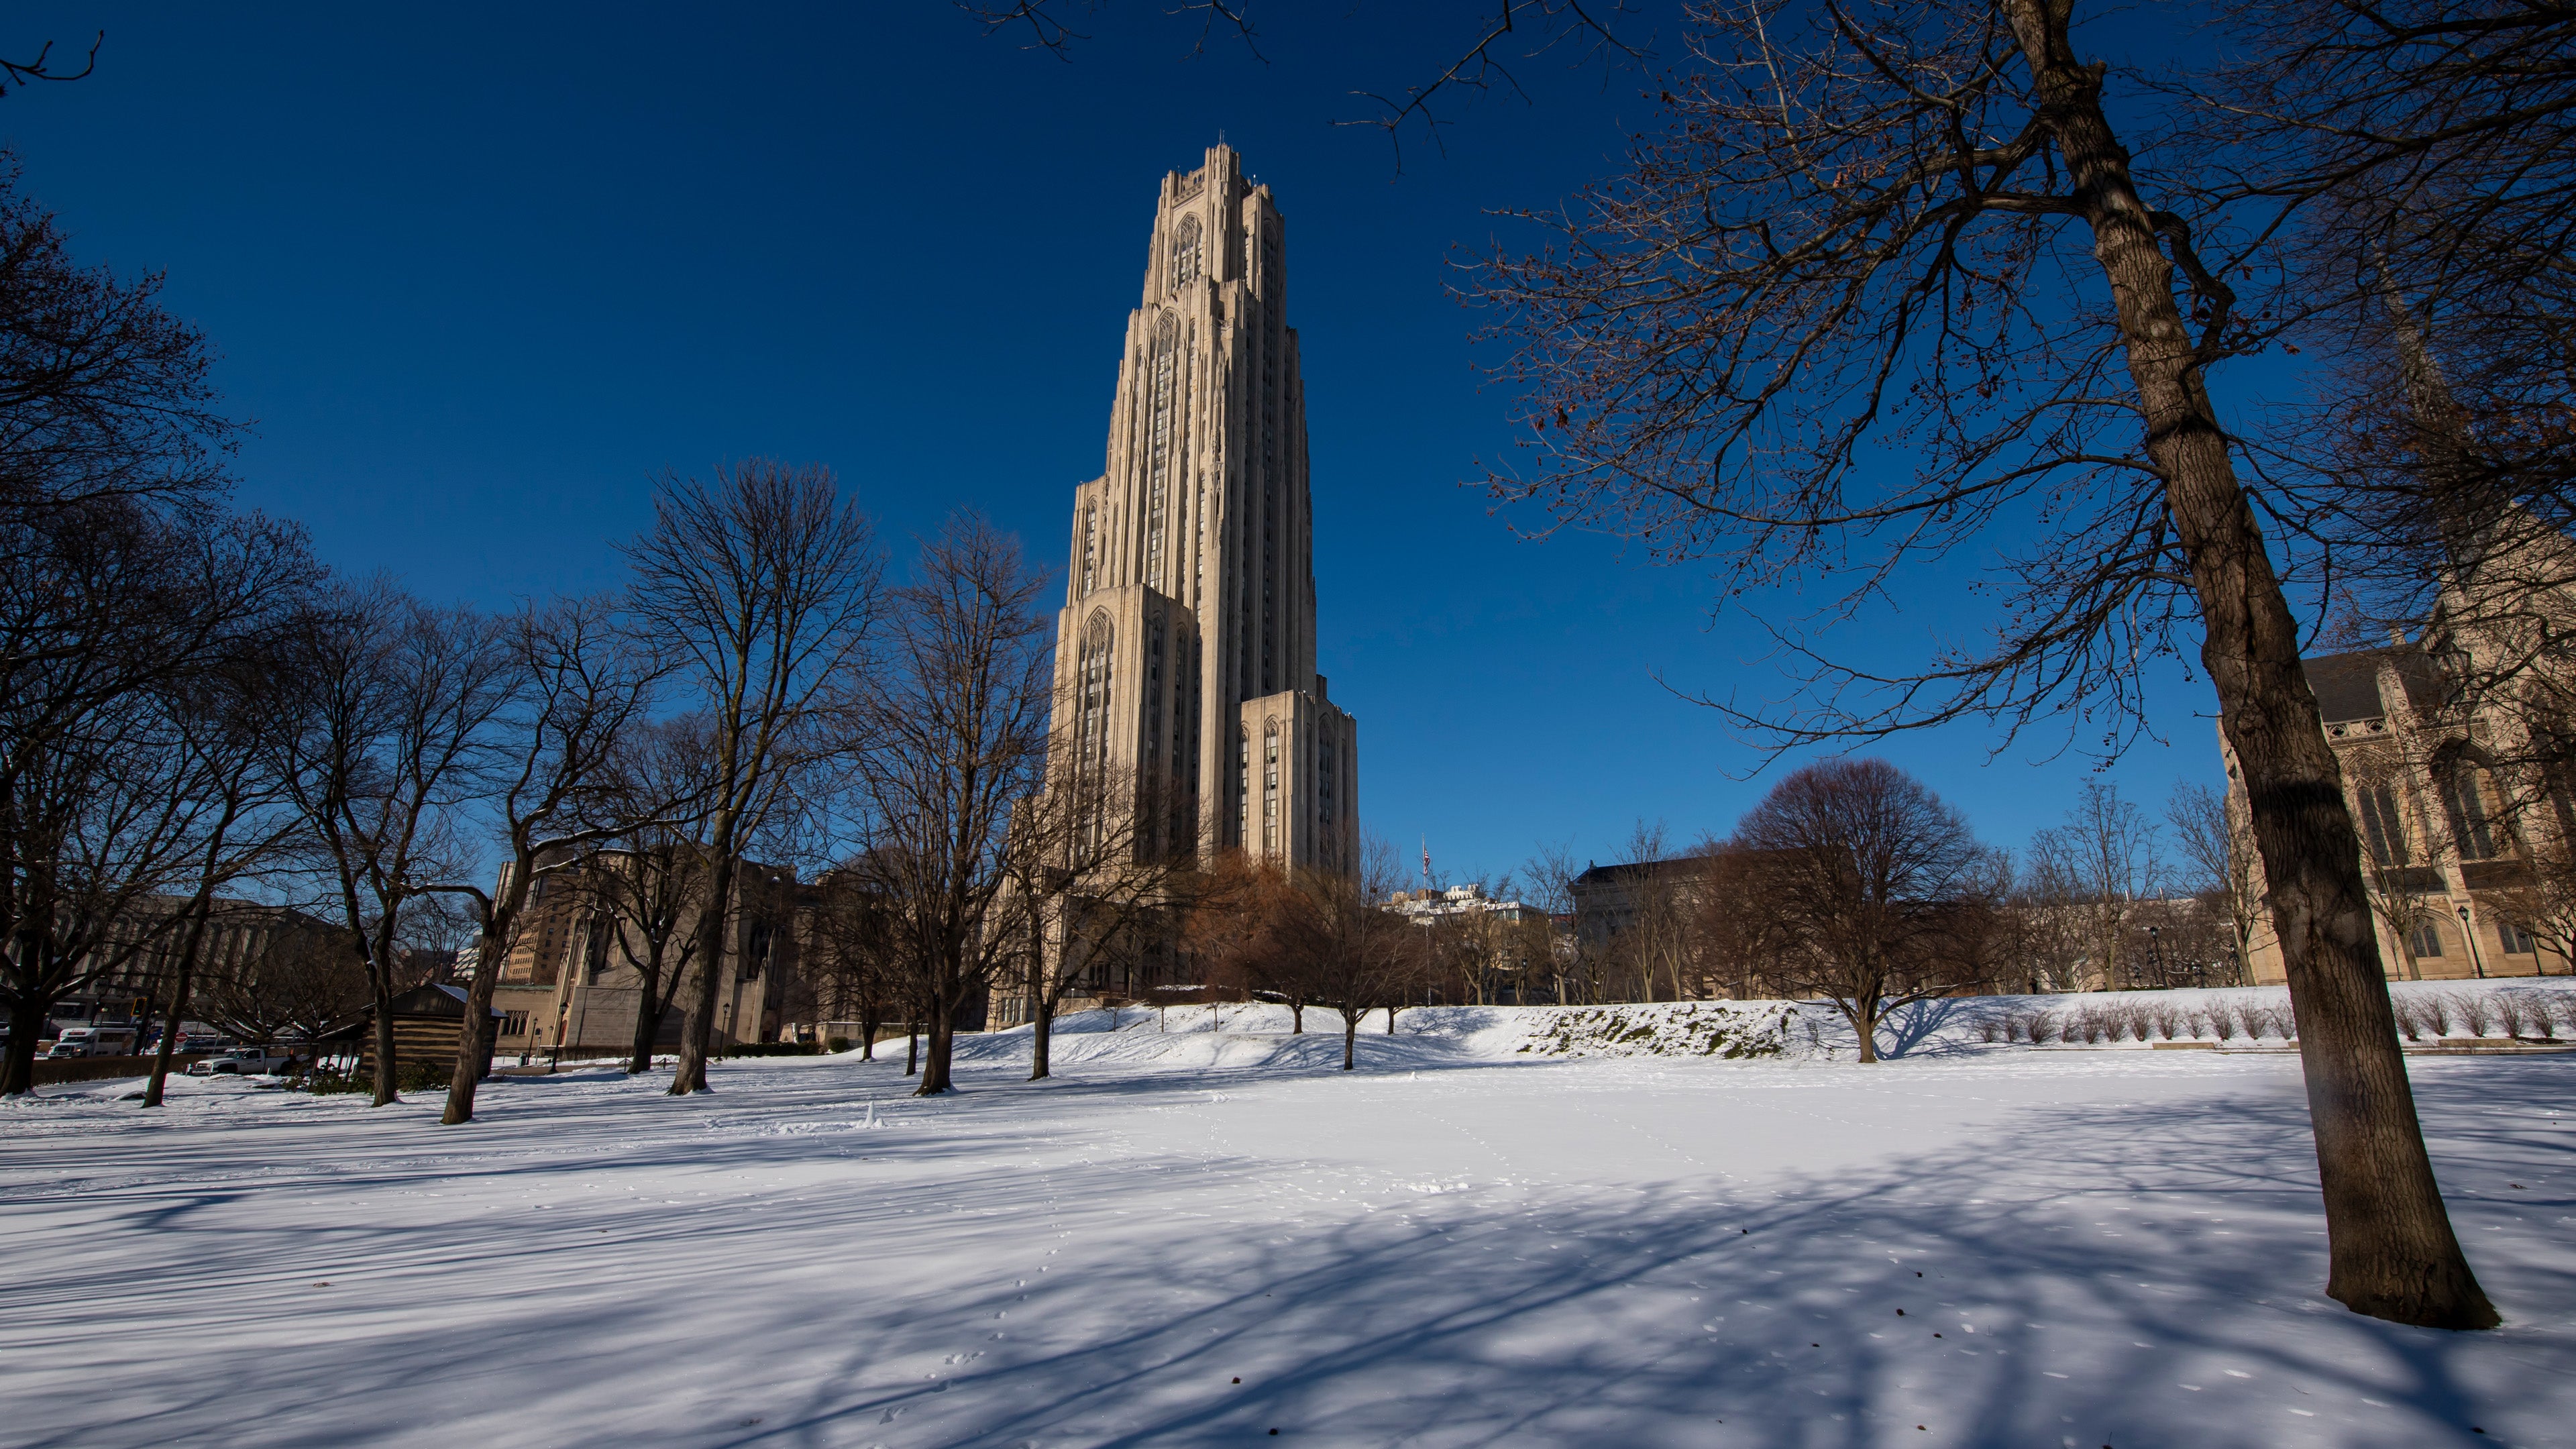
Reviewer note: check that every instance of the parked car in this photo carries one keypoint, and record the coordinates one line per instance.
(249, 1061)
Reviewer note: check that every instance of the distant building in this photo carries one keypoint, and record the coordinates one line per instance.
(1185, 652)
(139, 966)
(570, 985)
(1461, 902)
(1613, 899)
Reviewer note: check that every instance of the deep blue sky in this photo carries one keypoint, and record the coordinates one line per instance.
(481, 274)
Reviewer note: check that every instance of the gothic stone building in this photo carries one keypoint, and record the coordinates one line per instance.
(2461, 790)
(1185, 652)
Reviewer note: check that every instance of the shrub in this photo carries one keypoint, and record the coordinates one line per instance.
(2472, 1007)
(2511, 1013)
(2437, 1012)
(773, 1049)
(2410, 1018)
(2222, 1020)
(2562, 1012)
(2545, 1009)
(840, 1044)
(408, 1077)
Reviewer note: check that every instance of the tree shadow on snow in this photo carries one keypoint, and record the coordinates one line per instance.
(2160, 1285)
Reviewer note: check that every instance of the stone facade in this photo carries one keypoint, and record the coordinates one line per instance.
(568, 985)
(1186, 646)
(2458, 753)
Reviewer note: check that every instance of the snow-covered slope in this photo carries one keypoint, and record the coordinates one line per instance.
(1195, 1238)
(1256, 1034)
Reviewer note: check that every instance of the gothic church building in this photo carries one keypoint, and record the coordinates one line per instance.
(1186, 647)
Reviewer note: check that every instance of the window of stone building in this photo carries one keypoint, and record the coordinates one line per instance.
(1270, 787)
(1185, 252)
(2465, 803)
(2424, 942)
(2382, 828)
(2517, 941)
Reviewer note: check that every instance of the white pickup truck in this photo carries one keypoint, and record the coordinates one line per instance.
(249, 1061)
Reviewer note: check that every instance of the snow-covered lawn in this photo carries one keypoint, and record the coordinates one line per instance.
(1198, 1238)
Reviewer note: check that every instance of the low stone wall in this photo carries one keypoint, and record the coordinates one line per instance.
(50, 1070)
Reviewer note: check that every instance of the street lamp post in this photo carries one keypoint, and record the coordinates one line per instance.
(2477, 962)
(2155, 954)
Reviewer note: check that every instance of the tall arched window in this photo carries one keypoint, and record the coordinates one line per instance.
(2464, 801)
(2382, 828)
(1185, 252)
(1091, 731)
(1270, 787)
(1158, 443)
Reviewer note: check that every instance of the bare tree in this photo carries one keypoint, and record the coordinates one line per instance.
(577, 683)
(852, 960)
(2413, 158)
(766, 584)
(1357, 955)
(1235, 927)
(1863, 872)
(2102, 863)
(103, 395)
(1493, 39)
(40, 67)
(1914, 226)
(1101, 878)
(112, 616)
(647, 884)
(1549, 877)
(1736, 941)
(950, 738)
(2219, 851)
(1653, 938)
(249, 825)
(387, 708)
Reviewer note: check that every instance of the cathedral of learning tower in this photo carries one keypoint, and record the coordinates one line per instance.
(1186, 649)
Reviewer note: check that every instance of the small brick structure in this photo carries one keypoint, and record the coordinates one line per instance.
(427, 1021)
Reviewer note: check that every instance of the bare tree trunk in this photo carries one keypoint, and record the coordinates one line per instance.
(380, 973)
(2394, 1254)
(1350, 1039)
(26, 1023)
(1041, 1035)
(935, 1060)
(912, 1046)
(1390, 1018)
(474, 1034)
(1297, 1016)
(648, 1021)
(1864, 1020)
(699, 1034)
(188, 948)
